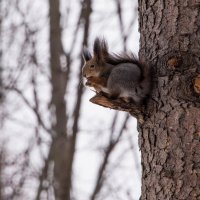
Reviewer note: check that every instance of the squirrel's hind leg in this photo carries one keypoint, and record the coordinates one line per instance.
(110, 96)
(127, 99)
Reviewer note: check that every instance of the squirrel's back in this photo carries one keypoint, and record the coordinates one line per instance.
(125, 82)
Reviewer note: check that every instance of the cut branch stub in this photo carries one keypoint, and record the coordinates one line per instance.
(173, 63)
(118, 104)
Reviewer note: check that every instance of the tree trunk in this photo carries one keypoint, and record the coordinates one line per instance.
(170, 136)
(61, 144)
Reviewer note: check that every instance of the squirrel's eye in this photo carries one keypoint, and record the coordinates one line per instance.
(91, 66)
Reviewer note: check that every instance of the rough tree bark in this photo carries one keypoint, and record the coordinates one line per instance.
(170, 135)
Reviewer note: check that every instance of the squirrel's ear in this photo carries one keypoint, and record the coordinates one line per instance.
(86, 54)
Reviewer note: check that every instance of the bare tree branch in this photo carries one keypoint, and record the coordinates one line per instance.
(34, 109)
(101, 173)
(1, 172)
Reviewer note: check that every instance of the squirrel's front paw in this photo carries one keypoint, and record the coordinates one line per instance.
(88, 83)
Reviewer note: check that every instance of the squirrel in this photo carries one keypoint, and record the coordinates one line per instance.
(116, 76)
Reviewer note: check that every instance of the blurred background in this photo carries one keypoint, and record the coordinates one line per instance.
(54, 143)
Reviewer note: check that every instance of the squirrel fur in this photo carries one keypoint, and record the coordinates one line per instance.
(116, 76)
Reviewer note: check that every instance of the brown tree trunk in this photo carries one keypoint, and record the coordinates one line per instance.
(170, 136)
(63, 145)
(60, 146)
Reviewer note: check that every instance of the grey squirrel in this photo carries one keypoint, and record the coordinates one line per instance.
(116, 76)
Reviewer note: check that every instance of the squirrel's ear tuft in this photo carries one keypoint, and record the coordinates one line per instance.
(86, 54)
(97, 47)
(104, 48)
(100, 49)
